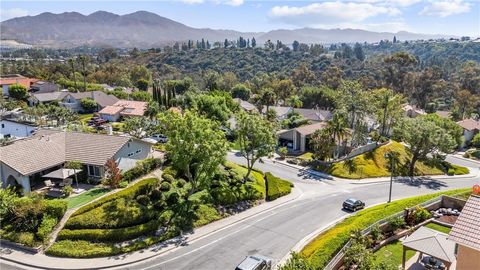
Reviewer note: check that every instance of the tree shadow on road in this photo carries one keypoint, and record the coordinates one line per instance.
(422, 181)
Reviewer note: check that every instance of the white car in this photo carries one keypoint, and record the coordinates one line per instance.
(159, 138)
(255, 262)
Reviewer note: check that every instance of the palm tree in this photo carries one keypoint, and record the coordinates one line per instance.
(295, 102)
(72, 65)
(152, 110)
(337, 127)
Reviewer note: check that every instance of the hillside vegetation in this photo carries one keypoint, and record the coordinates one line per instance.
(375, 164)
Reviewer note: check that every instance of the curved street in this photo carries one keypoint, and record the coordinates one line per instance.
(276, 231)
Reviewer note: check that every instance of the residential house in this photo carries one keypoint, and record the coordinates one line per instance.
(25, 161)
(123, 108)
(298, 139)
(7, 80)
(245, 105)
(12, 128)
(72, 101)
(43, 87)
(466, 234)
(470, 128)
(282, 112)
(412, 111)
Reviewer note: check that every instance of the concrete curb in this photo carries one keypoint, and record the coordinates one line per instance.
(158, 253)
(467, 159)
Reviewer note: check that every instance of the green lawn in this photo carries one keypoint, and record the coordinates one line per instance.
(320, 251)
(85, 117)
(235, 145)
(437, 227)
(374, 164)
(392, 252)
(86, 197)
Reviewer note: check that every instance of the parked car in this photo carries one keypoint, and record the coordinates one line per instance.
(159, 138)
(255, 262)
(96, 121)
(353, 204)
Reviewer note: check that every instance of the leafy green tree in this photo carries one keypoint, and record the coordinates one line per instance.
(295, 102)
(450, 126)
(256, 138)
(476, 140)
(338, 129)
(7, 202)
(88, 104)
(17, 91)
(284, 88)
(142, 84)
(152, 110)
(112, 174)
(424, 138)
(71, 62)
(196, 147)
(322, 144)
(140, 73)
(322, 97)
(141, 96)
(241, 91)
(211, 106)
(74, 165)
(137, 126)
(268, 98)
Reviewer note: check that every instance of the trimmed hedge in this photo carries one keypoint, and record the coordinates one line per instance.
(46, 227)
(142, 187)
(55, 208)
(85, 249)
(109, 235)
(277, 187)
(142, 168)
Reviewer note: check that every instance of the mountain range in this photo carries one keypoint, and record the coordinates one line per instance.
(145, 30)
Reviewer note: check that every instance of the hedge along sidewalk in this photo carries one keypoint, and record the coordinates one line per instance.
(53, 236)
(43, 261)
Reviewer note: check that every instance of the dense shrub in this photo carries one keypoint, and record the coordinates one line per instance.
(143, 200)
(27, 214)
(277, 187)
(201, 197)
(396, 223)
(159, 205)
(24, 238)
(168, 178)
(46, 227)
(169, 170)
(164, 186)
(180, 183)
(109, 235)
(156, 195)
(55, 208)
(142, 168)
(205, 214)
(422, 214)
(172, 198)
(142, 187)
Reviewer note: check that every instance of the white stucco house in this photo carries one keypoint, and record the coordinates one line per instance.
(470, 128)
(25, 161)
(10, 128)
(72, 101)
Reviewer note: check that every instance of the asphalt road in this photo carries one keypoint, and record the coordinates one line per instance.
(274, 233)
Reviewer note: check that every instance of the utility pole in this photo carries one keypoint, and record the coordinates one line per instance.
(392, 170)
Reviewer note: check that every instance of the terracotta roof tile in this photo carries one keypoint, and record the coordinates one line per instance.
(469, 124)
(466, 230)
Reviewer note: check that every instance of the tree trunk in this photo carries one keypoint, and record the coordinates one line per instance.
(411, 168)
(384, 123)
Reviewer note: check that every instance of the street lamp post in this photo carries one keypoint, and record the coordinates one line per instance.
(392, 169)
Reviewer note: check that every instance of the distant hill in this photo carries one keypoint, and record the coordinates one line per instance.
(145, 29)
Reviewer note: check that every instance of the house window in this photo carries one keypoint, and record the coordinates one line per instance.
(93, 171)
(3, 125)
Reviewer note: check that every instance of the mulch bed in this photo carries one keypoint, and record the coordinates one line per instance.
(448, 219)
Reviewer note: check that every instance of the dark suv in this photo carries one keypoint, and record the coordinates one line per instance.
(353, 204)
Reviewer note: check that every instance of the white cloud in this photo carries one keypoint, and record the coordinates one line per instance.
(6, 14)
(329, 13)
(446, 8)
(403, 3)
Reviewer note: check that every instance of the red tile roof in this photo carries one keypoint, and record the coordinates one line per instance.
(17, 79)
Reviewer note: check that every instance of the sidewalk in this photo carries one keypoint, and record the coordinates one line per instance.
(42, 261)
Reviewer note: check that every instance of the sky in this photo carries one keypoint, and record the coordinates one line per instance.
(452, 17)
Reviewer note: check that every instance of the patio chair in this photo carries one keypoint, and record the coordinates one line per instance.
(48, 183)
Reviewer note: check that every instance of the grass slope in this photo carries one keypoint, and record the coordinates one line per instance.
(374, 164)
(320, 251)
